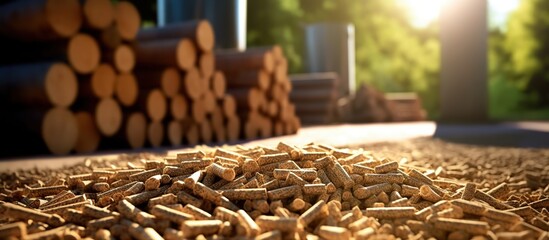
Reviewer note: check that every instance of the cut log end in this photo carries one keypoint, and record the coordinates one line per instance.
(136, 129)
(64, 16)
(108, 116)
(175, 133)
(127, 20)
(219, 84)
(229, 105)
(179, 107)
(59, 130)
(83, 53)
(192, 84)
(186, 54)
(124, 59)
(205, 36)
(155, 133)
(209, 101)
(170, 82)
(198, 111)
(99, 14)
(88, 134)
(127, 89)
(206, 63)
(103, 81)
(61, 85)
(268, 62)
(156, 105)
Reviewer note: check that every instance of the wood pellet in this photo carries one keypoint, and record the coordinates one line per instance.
(424, 189)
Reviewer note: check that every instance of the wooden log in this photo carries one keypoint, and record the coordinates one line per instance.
(31, 20)
(232, 60)
(218, 84)
(175, 133)
(39, 84)
(276, 92)
(198, 112)
(209, 102)
(206, 64)
(155, 104)
(103, 81)
(206, 132)
(179, 107)
(249, 78)
(192, 84)
(233, 128)
(168, 79)
(281, 71)
(199, 31)
(250, 98)
(217, 117)
(40, 131)
(127, 89)
(127, 20)
(192, 133)
(59, 130)
(168, 52)
(83, 53)
(135, 130)
(88, 134)
(229, 105)
(98, 14)
(155, 133)
(272, 108)
(122, 57)
(108, 116)
(265, 126)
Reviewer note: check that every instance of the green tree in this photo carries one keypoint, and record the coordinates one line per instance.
(526, 42)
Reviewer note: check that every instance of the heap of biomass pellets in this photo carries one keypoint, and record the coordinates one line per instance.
(415, 190)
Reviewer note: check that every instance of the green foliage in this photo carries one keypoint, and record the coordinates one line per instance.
(518, 59)
(390, 54)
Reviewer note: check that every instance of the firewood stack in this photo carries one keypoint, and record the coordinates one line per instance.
(405, 107)
(258, 80)
(315, 96)
(81, 76)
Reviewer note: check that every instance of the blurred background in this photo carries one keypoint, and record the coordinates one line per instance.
(397, 46)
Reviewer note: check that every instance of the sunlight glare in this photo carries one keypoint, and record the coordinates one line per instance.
(423, 12)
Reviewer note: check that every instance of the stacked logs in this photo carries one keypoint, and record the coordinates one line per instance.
(258, 80)
(315, 97)
(81, 75)
(59, 71)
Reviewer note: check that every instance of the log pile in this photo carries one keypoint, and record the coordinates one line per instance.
(82, 76)
(315, 97)
(258, 80)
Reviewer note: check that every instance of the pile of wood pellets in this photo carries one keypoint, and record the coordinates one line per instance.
(422, 189)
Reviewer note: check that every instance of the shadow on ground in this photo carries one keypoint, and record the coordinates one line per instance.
(523, 134)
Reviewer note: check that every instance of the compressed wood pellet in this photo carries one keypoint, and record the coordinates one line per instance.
(317, 210)
(22, 213)
(386, 167)
(469, 226)
(330, 232)
(251, 226)
(390, 212)
(167, 213)
(469, 191)
(15, 230)
(314, 191)
(222, 172)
